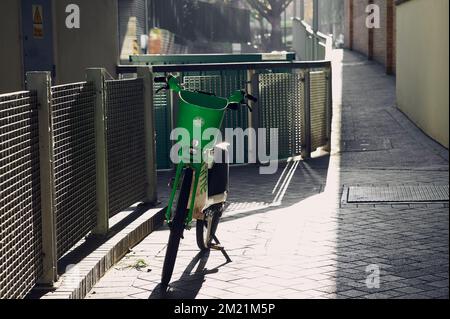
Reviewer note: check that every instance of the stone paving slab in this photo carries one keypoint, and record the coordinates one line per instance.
(309, 246)
(89, 260)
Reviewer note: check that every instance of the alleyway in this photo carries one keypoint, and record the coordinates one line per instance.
(312, 245)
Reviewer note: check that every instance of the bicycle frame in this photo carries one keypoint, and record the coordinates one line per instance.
(197, 112)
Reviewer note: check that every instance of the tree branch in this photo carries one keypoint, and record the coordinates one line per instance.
(259, 6)
(286, 4)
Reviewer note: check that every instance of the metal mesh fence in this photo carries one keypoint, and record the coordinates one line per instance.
(281, 106)
(162, 127)
(211, 84)
(318, 94)
(20, 221)
(74, 162)
(125, 143)
(230, 80)
(224, 85)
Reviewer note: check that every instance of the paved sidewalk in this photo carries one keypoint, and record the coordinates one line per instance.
(311, 246)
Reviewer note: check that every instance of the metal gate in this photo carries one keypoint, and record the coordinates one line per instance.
(294, 98)
(281, 106)
(230, 80)
(224, 85)
(74, 162)
(125, 143)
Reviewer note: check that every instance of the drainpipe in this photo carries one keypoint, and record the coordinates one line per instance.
(315, 27)
(302, 10)
(146, 16)
(295, 9)
(285, 27)
(315, 16)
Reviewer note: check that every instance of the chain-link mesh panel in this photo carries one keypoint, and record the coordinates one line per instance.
(210, 83)
(232, 81)
(224, 85)
(125, 143)
(281, 106)
(20, 208)
(162, 127)
(74, 162)
(318, 94)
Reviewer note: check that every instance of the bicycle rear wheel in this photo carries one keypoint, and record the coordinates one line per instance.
(177, 227)
(206, 229)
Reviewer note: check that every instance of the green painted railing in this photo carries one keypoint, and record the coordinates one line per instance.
(228, 80)
(155, 59)
(310, 45)
(294, 97)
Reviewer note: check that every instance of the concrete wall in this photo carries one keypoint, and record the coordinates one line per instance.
(95, 44)
(423, 65)
(10, 47)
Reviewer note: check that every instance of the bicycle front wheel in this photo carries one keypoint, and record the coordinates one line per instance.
(177, 227)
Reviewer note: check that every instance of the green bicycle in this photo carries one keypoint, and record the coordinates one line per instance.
(201, 179)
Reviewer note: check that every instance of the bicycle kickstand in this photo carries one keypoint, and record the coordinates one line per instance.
(218, 246)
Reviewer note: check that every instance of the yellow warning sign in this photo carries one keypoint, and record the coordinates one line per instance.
(38, 24)
(135, 47)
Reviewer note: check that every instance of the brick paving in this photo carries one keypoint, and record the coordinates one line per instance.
(311, 246)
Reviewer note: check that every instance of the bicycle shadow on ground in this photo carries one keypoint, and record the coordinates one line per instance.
(190, 282)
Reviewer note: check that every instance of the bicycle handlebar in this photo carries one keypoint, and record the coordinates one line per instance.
(239, 97)
(160, 79)
(251, 98)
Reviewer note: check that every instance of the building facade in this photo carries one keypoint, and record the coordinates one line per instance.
(39, 35)
(422, 65)
(411, 42)
(377, 43)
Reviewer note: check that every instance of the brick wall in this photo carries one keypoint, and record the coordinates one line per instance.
(377, 44)
(391, 51)
(379, 35)
(360, 31)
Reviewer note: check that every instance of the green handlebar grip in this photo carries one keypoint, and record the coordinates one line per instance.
(174, 84)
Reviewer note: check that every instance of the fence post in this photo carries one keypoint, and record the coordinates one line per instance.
(97, 77)
(41, 83)
(253, 120)
(315, 29)
(149, 127)
(329, 106)
(306, 149)
(173, 105)
(302, 10)
(371, 35)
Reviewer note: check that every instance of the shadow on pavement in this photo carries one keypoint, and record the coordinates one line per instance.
(382, 250)
(259, 194)
(190, 282)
